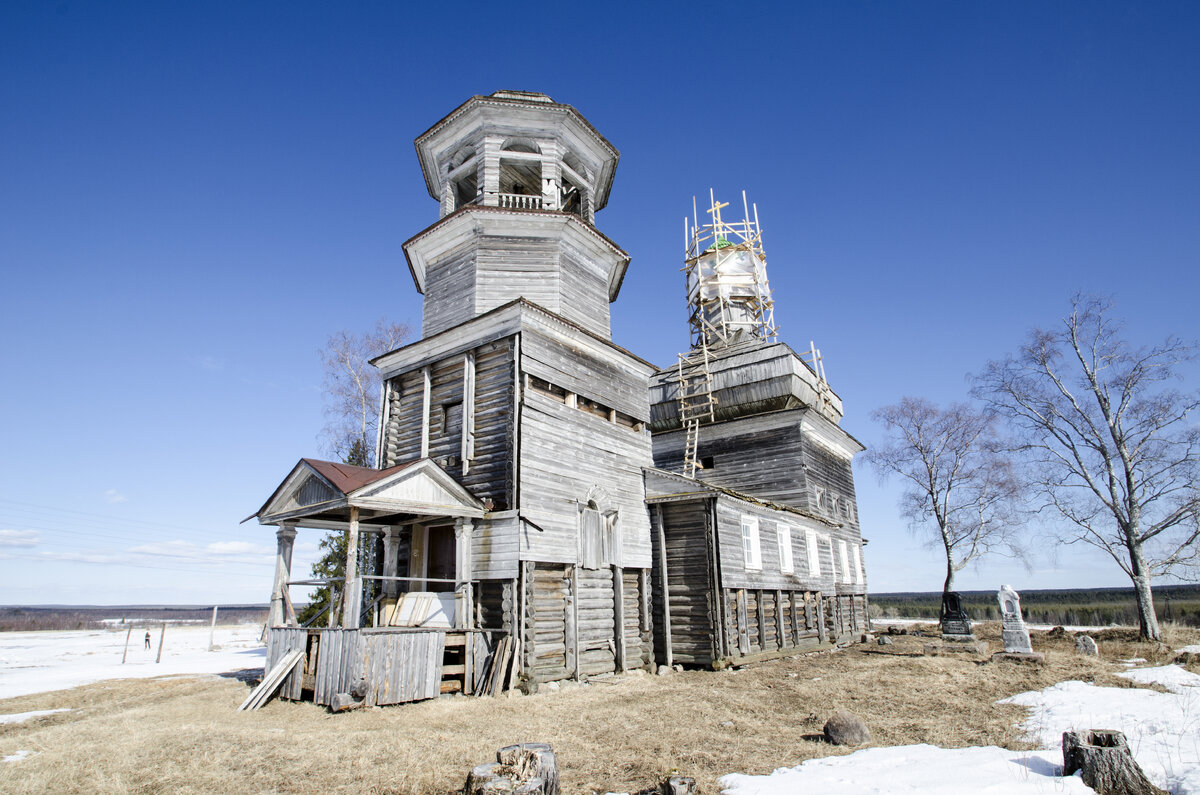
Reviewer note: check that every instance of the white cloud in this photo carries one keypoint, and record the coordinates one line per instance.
(208, 362)
(19, 538)
(218, 552)
(112, 495)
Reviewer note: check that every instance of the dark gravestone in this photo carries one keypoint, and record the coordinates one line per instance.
(954, 618)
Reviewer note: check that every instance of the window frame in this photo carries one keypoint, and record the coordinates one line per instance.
(783, 538)
(751, 546)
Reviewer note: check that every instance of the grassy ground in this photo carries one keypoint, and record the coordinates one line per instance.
(622, 733)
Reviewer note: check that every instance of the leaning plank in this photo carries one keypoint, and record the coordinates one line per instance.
(272, 680)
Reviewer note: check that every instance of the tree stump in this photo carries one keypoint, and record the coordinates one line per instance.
(1107, 765)
(679, 785)
(531, 760)
(526, 769)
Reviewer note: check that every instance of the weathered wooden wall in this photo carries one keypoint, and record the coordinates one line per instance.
(449, 292)
(688, 565)
(577, 623)
(489, 470)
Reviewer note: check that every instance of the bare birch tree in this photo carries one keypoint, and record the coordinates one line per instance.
(352, 389)
(1109, 441)
(957, 484)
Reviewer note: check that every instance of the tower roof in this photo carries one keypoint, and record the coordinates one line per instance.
(517, 114)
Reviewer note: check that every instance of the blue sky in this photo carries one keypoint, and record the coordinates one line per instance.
(194, 197)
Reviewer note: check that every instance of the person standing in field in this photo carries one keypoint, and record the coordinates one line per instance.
(147, 639)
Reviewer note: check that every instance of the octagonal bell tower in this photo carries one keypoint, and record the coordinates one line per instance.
(519, 179)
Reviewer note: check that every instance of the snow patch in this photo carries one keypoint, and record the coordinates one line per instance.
(1163, 729)
(40, 662)
(21, 717)
(18, 756)
(916, 769)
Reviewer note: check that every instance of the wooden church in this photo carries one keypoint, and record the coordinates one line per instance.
(548, 505)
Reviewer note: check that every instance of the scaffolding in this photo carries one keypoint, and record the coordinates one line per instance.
(729, 298)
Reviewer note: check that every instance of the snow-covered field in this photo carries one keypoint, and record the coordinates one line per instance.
(37, 662)
(1163, 730)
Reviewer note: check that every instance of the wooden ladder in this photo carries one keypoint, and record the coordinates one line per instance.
(696, 402)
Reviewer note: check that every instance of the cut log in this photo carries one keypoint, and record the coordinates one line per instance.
(1107, 765)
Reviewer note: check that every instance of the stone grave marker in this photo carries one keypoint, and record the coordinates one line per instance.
(954, 620)
(1016, 636)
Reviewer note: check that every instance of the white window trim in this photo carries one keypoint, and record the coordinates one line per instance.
(858, 567)
(844, 554)
(783, 535)
(751, 550)
(814, 553)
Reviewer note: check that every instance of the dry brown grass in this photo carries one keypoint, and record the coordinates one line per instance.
(183, 735)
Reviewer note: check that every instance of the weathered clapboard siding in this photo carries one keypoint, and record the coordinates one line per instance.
(740, 451)
(402, 440)
(834, 476)
(566, 454)
(596, 621)
(580, 365)
(734, 572)
(549, 619)
(489, 471)
(339, 663)
(513, 267)
(401, 666)
(748, 378)
(280, 642)
(449, 291)
(689, 590)
(495, 547)
(585, 293)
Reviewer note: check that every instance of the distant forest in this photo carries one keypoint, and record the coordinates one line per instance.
(1079, 607)
(58, 617)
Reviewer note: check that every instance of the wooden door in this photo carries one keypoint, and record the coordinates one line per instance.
(440, 556)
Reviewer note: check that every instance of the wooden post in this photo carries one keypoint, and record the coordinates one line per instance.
(666, 588)
(212, 630)
(462, 573)
(285, 538)
(467, 453)
(350, 595)
(819, 606)
(161, 635)
(572, 621)
(619, 609)
(391, 560)
(425, 375)
(125, 654)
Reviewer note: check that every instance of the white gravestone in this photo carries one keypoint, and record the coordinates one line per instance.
(1016, 636)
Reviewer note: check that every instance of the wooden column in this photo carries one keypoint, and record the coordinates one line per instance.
(425, 413)
(551, 175)
(391, 561)
(467, 452)
(490, 162)
(619, 611)
(666, 588)
(463, 611)
(285, 538)
(352, 595)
